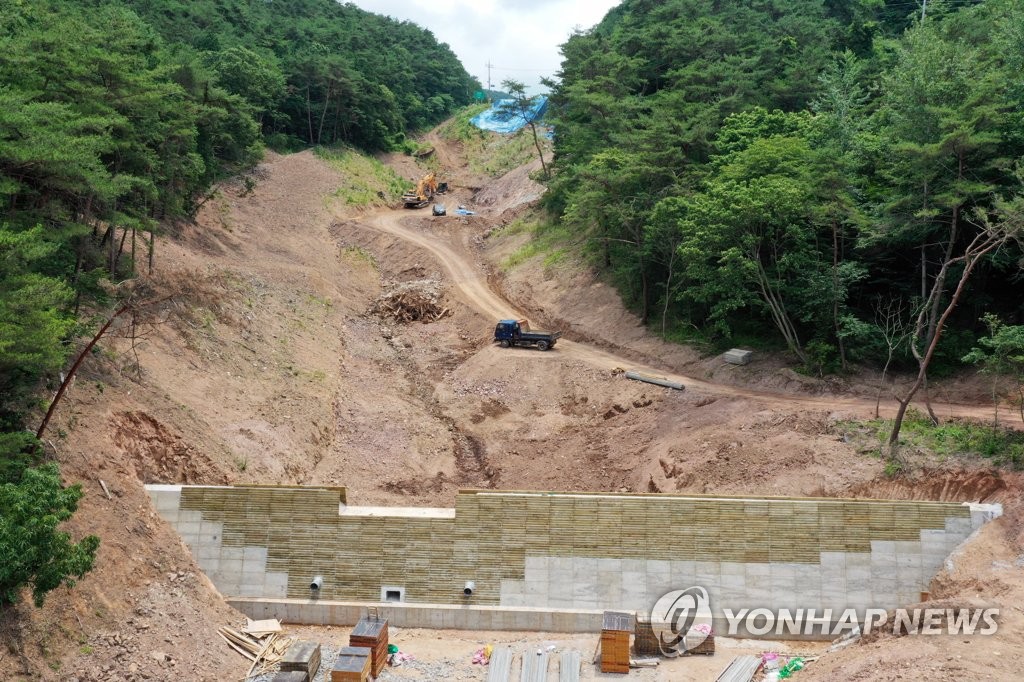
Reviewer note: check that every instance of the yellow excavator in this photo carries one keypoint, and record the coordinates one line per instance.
(424, 192)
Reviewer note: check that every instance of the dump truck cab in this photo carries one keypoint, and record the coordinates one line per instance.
(518, 333)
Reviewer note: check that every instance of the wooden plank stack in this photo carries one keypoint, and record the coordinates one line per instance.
(616, 629)
(372, 632)
(263, 646)
(303, 657)
(351, 665)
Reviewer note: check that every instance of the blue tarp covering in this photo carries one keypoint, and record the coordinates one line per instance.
(501, 119)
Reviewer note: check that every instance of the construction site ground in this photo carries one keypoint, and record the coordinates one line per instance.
(275, 369)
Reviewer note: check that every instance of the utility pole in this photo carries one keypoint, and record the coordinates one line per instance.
(489, 67)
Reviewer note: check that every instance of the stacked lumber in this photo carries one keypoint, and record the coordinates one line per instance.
(351, 665)
(616, 629)
(262, 644)
(372, 633)
(302, 656)
(418, 301)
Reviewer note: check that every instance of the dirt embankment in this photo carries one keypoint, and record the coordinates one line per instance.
(293, 378)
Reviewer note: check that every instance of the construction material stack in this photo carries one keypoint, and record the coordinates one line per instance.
(351, 665)
(616, 629)
(372, 632)
(302, 657)
(291, 676)
(645, 642)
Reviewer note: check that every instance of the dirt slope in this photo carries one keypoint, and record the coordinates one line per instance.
(273, 369)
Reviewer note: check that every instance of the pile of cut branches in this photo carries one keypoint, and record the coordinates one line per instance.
(417, 301)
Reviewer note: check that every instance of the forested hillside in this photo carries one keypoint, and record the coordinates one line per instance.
(816, 173)
(115, 119)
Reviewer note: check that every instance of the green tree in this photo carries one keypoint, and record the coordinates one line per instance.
(522, 105)
(1001, 355)
(34, 321)
(34, 553)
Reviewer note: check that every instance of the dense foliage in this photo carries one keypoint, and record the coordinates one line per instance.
(115, 118)
(33, 552)
(795, 166)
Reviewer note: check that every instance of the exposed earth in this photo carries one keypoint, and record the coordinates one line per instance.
(275, 369)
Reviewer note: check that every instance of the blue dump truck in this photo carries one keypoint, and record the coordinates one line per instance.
(518, 333)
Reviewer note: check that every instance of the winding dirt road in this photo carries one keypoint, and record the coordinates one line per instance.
(472, 289)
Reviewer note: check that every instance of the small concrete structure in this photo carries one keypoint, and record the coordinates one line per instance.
(738, 357)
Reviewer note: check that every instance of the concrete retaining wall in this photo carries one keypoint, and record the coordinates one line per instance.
(569, 552)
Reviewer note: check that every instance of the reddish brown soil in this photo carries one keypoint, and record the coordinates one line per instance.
(287, 378)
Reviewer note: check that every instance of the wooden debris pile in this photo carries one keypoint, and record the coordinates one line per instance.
(417, 301)
(260, 642)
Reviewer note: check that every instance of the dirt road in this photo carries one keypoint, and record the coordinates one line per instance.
(473, 289)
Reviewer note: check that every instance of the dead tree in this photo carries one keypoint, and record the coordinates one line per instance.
(1010, 226)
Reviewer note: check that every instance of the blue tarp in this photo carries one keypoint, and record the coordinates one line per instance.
(502, 119)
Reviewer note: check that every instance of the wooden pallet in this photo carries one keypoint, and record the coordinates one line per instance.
(616, 629)
(372, 633)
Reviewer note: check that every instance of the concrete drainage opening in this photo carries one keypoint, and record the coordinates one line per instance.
(389, 593)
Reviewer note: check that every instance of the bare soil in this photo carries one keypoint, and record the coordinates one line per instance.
(290, 377)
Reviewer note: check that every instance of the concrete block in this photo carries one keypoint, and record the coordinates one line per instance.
(253, 554)
(904, 547)
(856, 573)
(859, 599)
(858, 585)
(854, 559)
(523, 620)
(188, 527)
(734, 581)
(733, 568)
(563, 622)
(833, 559)
(561, 580)
(634, 566)
(560, 601)
(208, 552)
(737, 356)
(545, 621)
(959, 525)
(232, 567)
(758, 569)
(908, 561)
(634, 581)
(536, 588)
(232, 553)
(883, 548)
(536, 564)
